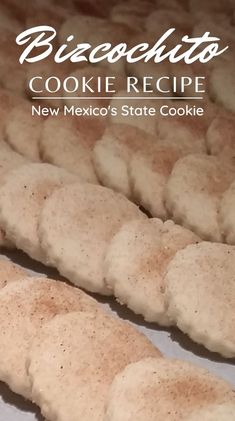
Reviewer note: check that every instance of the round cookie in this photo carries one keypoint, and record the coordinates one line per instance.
(10, 272)
(161, 389)
(74, 360)
(28, 187)
(149, 172)
(113, 153)
(227, 213)
(136, 263)
(194, 191)
(24, 307)
(23, 131)
(75, 237)
(73, 144)
(200, 290)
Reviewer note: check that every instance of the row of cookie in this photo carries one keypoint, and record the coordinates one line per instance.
(32, 136)
(61, 350)
(102, 242)
(149, 171)
(169, 180)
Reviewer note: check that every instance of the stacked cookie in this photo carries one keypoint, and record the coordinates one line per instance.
(60, 349)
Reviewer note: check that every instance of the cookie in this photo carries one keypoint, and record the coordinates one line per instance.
(113, 152)
(28, 186)
(149, 172)
(10, 272)
(226, 214)
(73, 144)
(136, 263)
(200, 290)
(194, 190)
(74, 359)
(23, 131)
(76, 226)
(24, 307)
(162, 389)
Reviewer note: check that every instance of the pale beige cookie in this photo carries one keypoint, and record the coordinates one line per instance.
(194, 190)
(222, 86)
(137, 260)
(161, 389)
(10, 272)
(23, 131)
(112, 155)
(74, 360)
(200, 289)
(149, 172)
(24, 307)
(227, 214)
(73, 144)
(220, 136)
(76, 226)
(21, 199)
